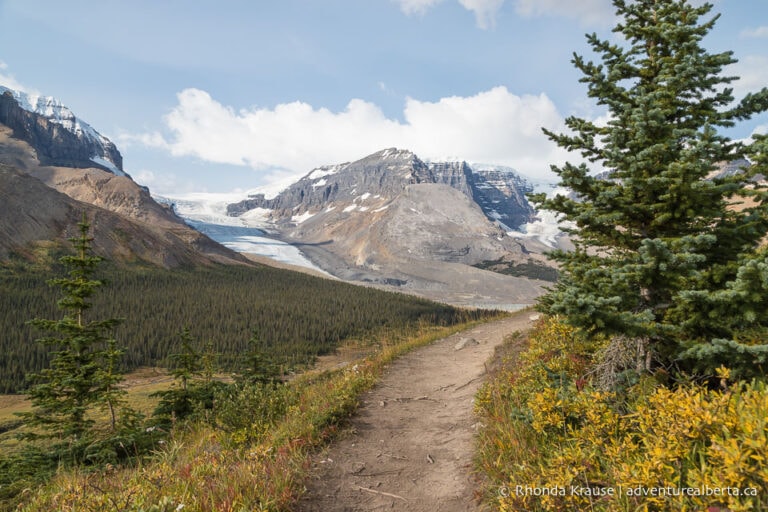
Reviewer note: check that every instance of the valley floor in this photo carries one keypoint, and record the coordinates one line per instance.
(410, 446)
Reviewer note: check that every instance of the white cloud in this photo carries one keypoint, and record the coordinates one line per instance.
(9, 81)
(588, 12)
(166, 181)
(493, 126)
(758, 32)
(485, 11)
(752, 72)
(416, 6)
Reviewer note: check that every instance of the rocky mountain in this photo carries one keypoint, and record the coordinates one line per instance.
(726, 169)
(58, 136)
(499, 191)
(394, 220)
(57, 166)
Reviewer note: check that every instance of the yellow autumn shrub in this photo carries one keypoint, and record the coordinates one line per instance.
(551, 442)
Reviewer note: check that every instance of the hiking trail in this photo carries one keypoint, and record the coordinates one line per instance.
(410, 445)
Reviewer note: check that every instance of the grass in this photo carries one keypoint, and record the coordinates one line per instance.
(259, 467)
(11, 404)
(9, 422)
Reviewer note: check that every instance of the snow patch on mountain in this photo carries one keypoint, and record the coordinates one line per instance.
(547, 227)
(298, 219)
(326, 170)
(108, 164)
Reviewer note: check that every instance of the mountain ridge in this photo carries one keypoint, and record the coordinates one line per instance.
(387, 172)
(43, 145)
(60, 137)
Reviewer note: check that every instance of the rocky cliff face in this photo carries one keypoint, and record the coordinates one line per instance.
(56, 134)
(383, 174)
(499, 192)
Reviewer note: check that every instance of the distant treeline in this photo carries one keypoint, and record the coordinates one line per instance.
(531, 269)
(296, 316)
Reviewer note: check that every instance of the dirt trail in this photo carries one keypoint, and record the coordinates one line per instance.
(410, 446)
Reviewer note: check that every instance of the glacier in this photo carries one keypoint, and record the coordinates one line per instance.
(248, 233)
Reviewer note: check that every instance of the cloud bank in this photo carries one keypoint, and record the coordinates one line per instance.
(484, 10)
(587, 12)
(493, 126)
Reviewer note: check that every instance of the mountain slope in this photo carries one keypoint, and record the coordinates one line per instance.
(49, 144)
(45, 223)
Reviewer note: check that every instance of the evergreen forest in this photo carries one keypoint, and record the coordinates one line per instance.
(296, 316)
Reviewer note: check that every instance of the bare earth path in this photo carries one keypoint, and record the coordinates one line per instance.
(410, 446)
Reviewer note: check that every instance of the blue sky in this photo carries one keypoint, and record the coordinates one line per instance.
(231, 94)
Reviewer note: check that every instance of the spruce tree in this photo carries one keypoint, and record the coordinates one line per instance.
(178, 403)
(83, 370)
(657, 238)
(258, 365)
(194, 370)
(187, 364)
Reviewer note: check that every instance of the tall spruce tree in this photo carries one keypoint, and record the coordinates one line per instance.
(83, 371)
(660, 246)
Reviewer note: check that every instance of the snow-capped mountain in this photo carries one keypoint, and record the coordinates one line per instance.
(54, 167)
(58, 136)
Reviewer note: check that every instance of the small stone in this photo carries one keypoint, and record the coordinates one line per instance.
(465, 342)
